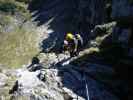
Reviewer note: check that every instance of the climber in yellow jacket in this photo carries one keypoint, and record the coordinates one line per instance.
(71, 44)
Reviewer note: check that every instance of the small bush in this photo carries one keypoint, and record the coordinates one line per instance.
(5, 20)
(11, 7)
(130, 2)
(25, 1)
(7, 7)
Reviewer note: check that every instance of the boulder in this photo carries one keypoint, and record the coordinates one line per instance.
(122, 11)
(3, 79)
(121, 8)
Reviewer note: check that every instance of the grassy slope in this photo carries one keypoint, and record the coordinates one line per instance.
(19, 46)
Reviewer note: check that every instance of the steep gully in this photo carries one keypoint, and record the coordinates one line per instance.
(94, 79)
(64, 18)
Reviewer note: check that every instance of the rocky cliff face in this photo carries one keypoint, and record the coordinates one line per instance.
(121, 8)
(64, 81)
(98, 73)
(69, 16)
(122, 12)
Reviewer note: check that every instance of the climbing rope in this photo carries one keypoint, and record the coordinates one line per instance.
(86, 86)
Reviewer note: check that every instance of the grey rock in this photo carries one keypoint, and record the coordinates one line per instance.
(124, 36)
(3, 79)
(130, 52)
(30, 86)
(121, 35)
(103, 29)
(66, 82)
(121, 8)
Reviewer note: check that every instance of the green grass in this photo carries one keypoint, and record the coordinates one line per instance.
(12, 6)
(17, 48)
(25, 1)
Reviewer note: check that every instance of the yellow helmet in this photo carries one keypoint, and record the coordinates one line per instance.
(69, 36)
